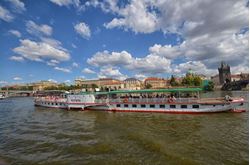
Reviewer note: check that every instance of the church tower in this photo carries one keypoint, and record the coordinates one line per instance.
(224, 73)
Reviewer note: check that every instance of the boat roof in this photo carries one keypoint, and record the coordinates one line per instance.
(147, 91)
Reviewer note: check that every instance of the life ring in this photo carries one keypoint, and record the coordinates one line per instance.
(170, 100)
(125, 100)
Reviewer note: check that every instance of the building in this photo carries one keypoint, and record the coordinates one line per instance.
(41, 85)
(155, 82)
(216, 80)
(235, 77)
(102, 83)
(224, 73)
(238, 77)
(112, 86)
(86, 83)
(132, 84)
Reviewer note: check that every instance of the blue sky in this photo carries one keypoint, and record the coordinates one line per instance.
(61, 40)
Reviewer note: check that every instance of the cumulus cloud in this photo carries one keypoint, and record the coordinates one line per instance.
(17, 58)
(134, 16)
(150, 64)
(74, 64)
(15, 33)
(73, 45)
(18, 5)
(52, 80)
(140, 76)
(109, 71)
(208, 37)
(38, 30)
(168, 16)
(167, 51)
(17, 78)
(66, 2)
(52, 62)
(66, 70)
(113, 58)
(3, 82)
(83, 29)
(5, 15)
(37, 51)
(197, 66)
(88, 71)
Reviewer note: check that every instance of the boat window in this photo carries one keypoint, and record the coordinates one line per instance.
(195, 106)
(125, 105)
(152, 106)
(118, 105)
(56, 103)
(143, 106)
(134, 106)
(48, 103)
(52, 103)
(162, 106)
(183, 106)
(214, 105)
(172, 106)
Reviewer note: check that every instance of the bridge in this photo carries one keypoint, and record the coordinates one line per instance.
(235, 85)
(12, 93)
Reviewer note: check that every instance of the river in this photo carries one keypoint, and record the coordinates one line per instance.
(36, 135)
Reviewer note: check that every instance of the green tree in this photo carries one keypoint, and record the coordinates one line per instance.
(188, 81)
(148, 86)
(173, 81)
(93, 86)
(197, 81)
(210, 86)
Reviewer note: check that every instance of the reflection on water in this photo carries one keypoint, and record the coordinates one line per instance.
(36, 135)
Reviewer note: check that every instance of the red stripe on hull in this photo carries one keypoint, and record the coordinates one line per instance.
(150, 111)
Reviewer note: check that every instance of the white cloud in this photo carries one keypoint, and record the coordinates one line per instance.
(83, 29)
(67, 81)
(204, 39)
(106, 58)
(73, 45)
(66, 70)
(66, 2)
(197, 66)
(5, 14)
(151, 65)
(208, 36)
(74, 64)
(15, 33)
(18, 5)
(169, 16)
(38, 30)
(52, 62)
(135, 16)
(140, 76)
(17, 78)
(17, 58)
(52, 80)
(108, 71)
(37, 51)
(88, 71)
(167, 51)
(3, 82)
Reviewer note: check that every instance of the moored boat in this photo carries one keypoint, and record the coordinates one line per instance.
(178, 100)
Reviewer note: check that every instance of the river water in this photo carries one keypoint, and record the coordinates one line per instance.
(36, 135)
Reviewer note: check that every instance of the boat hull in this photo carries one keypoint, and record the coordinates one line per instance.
(158, 109)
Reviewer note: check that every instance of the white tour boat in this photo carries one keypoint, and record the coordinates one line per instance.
(178, 100)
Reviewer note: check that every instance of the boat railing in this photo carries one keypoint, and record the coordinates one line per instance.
(146, 100)
(50, 99)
